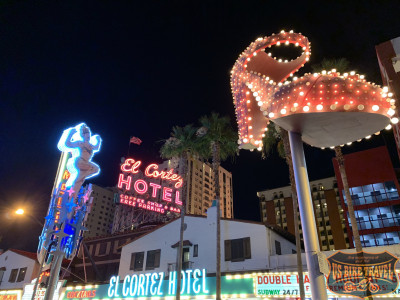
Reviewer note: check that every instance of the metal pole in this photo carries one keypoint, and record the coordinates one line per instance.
(37, 277)
(310, 235)
(54, 274)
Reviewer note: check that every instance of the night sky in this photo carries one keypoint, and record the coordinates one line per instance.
(137, 68)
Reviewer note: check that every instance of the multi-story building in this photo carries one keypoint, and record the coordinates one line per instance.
(200, 188)
(276, 208)
(374, 190)
(101, 213)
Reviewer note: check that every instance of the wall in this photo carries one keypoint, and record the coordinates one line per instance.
(367, 167)
(202, 231)
(11, 260)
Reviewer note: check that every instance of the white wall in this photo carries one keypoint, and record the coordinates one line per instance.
(11, 260)
(202, 231)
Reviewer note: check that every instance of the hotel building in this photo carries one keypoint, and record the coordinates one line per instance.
(276, 208)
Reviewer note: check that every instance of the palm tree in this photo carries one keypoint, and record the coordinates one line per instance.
(352, 215)
(279, 137)
(182, 144)
(341, 65)
(219, 141)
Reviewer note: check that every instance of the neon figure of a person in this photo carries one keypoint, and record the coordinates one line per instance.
(79, 141)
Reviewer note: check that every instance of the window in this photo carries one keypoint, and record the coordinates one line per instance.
(153, 259)
(196, 250)
(237, 249)
(13, 275)
(137, 261)
(21, 275)
(278, 249)
(2, 270)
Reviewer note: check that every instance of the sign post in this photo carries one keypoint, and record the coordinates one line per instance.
(62, 232)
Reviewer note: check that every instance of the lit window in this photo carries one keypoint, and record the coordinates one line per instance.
(137, 261)
(21, 274)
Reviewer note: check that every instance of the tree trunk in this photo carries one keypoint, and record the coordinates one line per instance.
(354, 227)
(216, 161)
(288, 157)
(185, 170)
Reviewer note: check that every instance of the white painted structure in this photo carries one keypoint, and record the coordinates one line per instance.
(17, 268)
(200, 234)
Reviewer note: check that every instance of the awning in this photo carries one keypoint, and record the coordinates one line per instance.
(185, 243)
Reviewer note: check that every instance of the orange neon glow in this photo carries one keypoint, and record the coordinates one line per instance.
(66, 175)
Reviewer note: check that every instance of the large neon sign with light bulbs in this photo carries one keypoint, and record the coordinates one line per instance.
(328, 108)
(158, 190)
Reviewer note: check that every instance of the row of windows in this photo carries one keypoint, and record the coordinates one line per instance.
(152, 260)
(235, 250)
(380, 239)
(373, 193)
(16, 275)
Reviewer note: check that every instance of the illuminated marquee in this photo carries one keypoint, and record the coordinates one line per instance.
(153, 284)
(147, 188)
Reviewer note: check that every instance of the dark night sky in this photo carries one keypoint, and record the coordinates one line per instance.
(136, 68)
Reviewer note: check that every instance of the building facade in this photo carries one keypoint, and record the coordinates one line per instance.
(17, 268)
(244, 246)
(200, 188)
(101, 212)
(98, 258)
(374, 189)
(276, 209)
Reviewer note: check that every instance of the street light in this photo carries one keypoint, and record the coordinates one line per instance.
(21, 211)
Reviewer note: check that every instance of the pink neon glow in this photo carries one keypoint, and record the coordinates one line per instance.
(148, 205)
(127, 182)
(130, 165)
(167, 194)
(155, 187)
(140, 190)
(177, 201)
(151, 171)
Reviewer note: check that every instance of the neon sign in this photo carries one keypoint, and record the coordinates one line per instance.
(153, 284)
(131, 166)
(146, 188)
(81, 294)
(79, 141)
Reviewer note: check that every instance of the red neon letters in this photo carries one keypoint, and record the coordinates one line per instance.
(141, 186)
(132, 166)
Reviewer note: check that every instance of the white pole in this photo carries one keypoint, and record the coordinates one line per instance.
(310, 235)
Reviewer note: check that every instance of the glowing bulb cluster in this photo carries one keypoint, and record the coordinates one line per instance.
(261, 91)
(251, 86)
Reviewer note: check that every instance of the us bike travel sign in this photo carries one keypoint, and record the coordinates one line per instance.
(362, 274)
